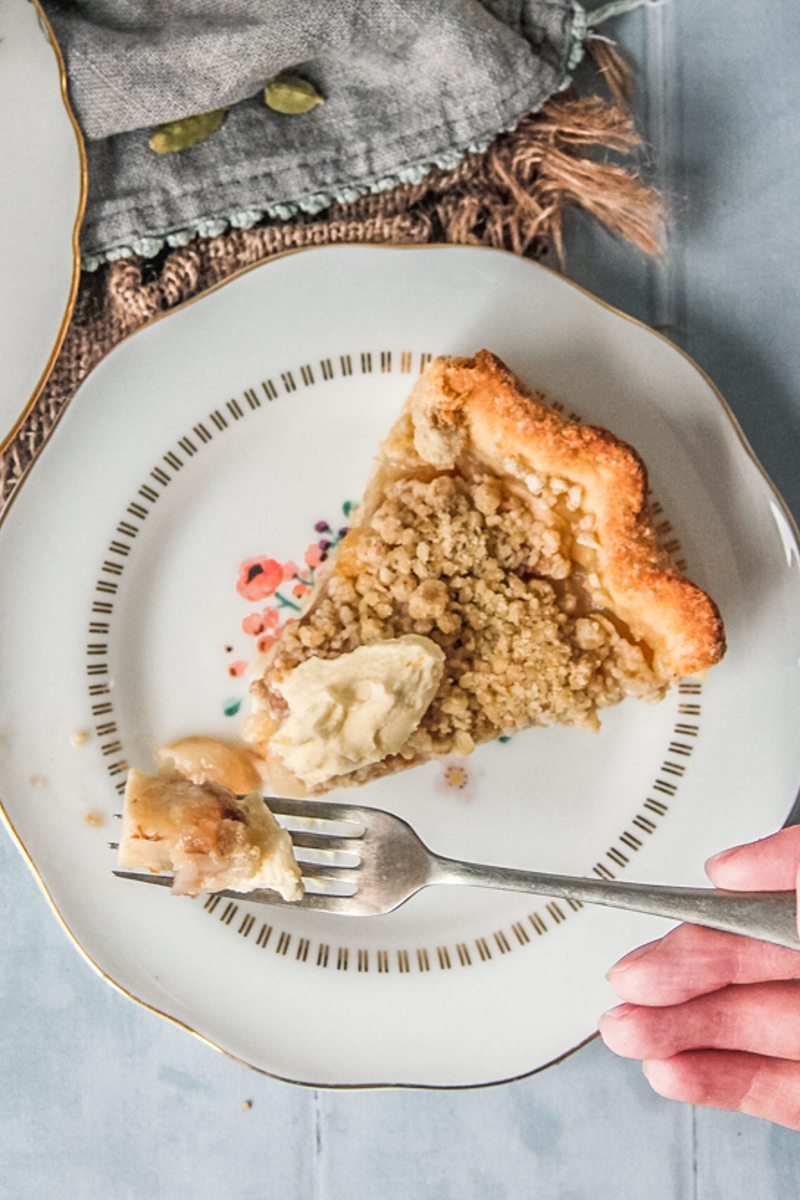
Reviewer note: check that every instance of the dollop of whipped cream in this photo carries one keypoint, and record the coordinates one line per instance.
(354, 710)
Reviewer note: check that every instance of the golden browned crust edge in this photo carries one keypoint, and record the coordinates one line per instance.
(503, 420)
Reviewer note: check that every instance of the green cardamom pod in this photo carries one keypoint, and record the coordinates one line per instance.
(291, 95)
(188, 131)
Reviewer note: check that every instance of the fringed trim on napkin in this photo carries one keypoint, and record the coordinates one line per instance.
(513, 196)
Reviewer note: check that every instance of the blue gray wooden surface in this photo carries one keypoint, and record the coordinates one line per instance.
(102, 1101)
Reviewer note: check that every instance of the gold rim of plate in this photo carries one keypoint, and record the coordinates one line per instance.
(7, 438)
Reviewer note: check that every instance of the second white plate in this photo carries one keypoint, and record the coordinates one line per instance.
(41, 204)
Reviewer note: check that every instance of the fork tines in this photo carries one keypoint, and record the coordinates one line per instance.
(316, 810)
(321, 901)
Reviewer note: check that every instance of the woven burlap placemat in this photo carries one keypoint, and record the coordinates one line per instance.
(512, 196)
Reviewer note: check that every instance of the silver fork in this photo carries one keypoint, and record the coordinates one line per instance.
(386, 863)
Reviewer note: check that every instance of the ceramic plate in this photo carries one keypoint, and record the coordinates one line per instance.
(41, 202)
(239, 428)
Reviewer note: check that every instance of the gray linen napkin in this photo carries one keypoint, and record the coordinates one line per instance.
(408, 85)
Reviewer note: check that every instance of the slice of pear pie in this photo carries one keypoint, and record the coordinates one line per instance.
(206, 836)
(502, 571)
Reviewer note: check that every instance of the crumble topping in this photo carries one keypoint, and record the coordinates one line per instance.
(504, 582)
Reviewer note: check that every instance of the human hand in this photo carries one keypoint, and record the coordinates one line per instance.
(715, 1017)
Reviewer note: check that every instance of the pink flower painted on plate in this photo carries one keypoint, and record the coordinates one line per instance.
(259, 578)
(261, 622)
(253, 624)
(235, 669)
(263, 578)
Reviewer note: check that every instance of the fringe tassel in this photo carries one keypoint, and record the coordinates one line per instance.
(613, 69)
(516, 195)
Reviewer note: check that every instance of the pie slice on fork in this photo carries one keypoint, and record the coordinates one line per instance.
(206, 836)
(502, 571)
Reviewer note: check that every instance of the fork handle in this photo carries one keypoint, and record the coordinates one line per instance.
(768, 916)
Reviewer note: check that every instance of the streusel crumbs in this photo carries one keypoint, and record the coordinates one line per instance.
(461, 559)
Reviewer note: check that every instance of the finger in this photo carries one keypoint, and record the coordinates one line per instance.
(767, 865)
(691, 961)
(746, 1083)
(761, 1018)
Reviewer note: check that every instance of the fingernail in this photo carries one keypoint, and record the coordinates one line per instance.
(617, 1014)
(614, 1017)
(721, 857)
(632, 959)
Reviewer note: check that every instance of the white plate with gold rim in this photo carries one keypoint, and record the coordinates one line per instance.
(41, 204)
(229, 432)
